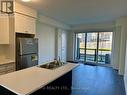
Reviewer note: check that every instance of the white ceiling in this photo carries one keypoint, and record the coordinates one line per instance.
(76, 12)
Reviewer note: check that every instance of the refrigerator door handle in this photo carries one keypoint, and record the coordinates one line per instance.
(34, 58)
(21, 51)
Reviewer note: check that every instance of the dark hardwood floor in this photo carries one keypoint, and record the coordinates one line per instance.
(96, 80)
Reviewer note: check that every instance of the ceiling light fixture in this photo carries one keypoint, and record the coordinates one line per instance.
(26, 0)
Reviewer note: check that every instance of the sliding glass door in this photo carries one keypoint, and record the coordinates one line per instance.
(105, 46)
(93, 47)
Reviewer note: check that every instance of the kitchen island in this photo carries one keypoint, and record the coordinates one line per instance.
(30, 80)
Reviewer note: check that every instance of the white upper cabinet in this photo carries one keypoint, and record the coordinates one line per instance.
(25, 24)
(4, 29)
(25, 19)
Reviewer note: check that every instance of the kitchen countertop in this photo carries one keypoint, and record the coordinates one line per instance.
(29, 80)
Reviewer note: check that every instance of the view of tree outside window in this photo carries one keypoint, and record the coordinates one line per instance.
(94, 47)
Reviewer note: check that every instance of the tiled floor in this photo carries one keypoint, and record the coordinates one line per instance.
(97, 80)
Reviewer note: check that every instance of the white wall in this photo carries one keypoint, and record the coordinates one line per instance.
(58, 42)
(70, 46)
(61, 44)
(64, 46)
(49, 32)
(121, 26)
(107, 26)
(52, 43)
(122, 23)
(46, 35)
(52, 22)
(116, 47)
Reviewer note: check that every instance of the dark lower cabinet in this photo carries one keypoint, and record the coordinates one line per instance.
(4, 91)
(61, 86)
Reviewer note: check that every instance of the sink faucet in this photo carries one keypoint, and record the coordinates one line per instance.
(57, 61)
(59, 58)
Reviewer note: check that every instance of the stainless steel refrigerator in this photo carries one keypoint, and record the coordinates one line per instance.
(26, 52)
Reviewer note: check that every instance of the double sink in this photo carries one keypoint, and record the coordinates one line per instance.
(52, 65)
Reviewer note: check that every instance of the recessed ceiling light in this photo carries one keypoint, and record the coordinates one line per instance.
(26, 0)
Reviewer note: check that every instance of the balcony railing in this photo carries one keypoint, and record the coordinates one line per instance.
(92, 55)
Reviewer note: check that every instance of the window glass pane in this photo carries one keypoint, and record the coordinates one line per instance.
(91, 47)
(80, 46)
(105, 45)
